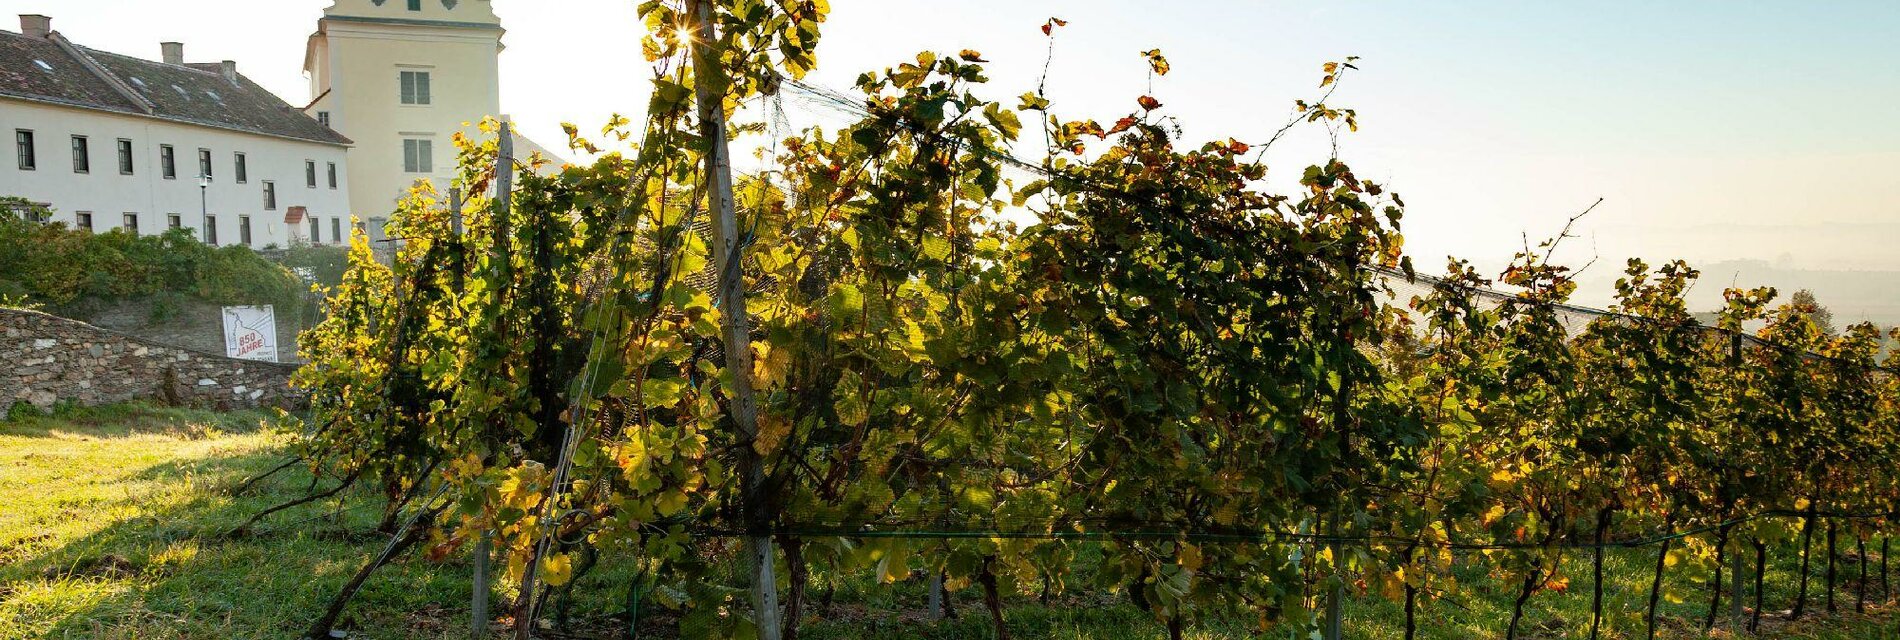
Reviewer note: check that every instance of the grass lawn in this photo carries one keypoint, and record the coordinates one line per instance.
(111, 523)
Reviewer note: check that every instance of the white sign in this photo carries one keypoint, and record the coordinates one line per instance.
(250, 333)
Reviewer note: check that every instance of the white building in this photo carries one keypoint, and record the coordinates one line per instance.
(401, 78)
(111, 141)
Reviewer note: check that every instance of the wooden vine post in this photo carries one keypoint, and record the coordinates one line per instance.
(484, 548)
(709, 91)
(1736, 573)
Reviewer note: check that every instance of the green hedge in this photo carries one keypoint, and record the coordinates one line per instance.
(48, 264)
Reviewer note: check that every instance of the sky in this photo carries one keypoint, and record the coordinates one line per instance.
(1713, 130)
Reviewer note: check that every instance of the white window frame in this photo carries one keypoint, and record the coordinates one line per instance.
(418, 155)
(415, 87)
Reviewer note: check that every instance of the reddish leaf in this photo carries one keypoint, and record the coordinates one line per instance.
(1148, 103)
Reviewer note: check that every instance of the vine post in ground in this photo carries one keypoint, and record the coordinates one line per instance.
(736, 334)
(1735, 620)
(478, 605)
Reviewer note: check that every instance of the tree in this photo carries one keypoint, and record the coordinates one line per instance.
(1820, 315)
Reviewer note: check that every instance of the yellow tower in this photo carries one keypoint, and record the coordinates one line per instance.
(400, 78)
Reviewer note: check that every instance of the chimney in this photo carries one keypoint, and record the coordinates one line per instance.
(230, 71)
(33, 25)
(174, 52)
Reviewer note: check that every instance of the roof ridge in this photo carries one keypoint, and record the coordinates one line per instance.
(93, 66)
(186, 66)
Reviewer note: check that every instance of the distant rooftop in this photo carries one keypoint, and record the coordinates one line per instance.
(40, 65)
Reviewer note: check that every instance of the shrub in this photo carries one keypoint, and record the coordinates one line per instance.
(50, 264)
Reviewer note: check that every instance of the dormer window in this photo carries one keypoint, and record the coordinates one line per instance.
(43, 65)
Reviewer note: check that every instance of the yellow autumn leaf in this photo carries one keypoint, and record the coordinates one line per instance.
(772, 430)
(771, 366)
(1190, 557)
(557, 569)
(670, 502)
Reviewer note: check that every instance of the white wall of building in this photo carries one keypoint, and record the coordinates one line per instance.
(108, 194)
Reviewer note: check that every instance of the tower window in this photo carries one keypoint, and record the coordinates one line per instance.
(323, 118)
(418, 156)
(415, 87)
(332, 175)
(415, 5)
(336, 229)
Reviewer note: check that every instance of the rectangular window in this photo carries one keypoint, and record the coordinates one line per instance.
(131, 223)
(125, 156)
(174, 221)
(167, 161)
(336, 229)
(415, 5)
(243, 173)
(415, 87)
(82, 155)
(323, 118)
(270, 196)
(316, 232)
(418, 156)
(310, 173)
(204, 163)
(244, 230)
(82, 220)
(332, 175)
(23, 144)
(211, 230)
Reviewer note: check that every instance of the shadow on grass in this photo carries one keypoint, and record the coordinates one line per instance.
(162, 568)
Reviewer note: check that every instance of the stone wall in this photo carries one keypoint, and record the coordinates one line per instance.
(46, 360)
(178, 321)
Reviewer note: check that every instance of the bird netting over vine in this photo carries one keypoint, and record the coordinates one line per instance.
(981, 368)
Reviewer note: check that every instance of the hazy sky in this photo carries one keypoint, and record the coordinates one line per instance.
(1713, 129)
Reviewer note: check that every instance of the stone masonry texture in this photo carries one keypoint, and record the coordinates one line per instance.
(46, 360)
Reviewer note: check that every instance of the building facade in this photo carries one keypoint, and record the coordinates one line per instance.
(116, 142)
(401, 78)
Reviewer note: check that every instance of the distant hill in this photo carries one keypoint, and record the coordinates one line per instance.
(1853, 295)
